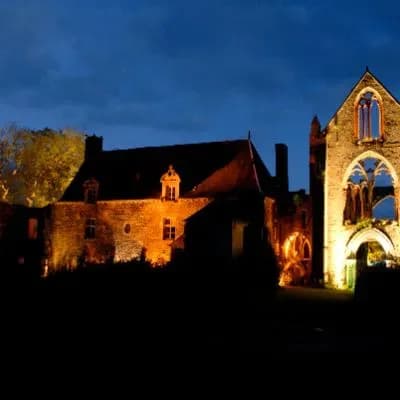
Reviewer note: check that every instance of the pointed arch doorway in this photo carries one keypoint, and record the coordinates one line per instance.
(367, 248)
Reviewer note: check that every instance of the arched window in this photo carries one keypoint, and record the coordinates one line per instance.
(369, 192)
(368, 117)
(296, 260)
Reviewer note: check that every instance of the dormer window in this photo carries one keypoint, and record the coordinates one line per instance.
(91, 189)
(170, 185)
(369, 126)
(170, 192)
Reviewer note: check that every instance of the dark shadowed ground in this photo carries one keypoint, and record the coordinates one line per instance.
(310, 321)
(164, 315)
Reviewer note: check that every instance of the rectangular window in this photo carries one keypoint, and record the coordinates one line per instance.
(168, 229)
(170, 192)
(90, 228)
(32, 228)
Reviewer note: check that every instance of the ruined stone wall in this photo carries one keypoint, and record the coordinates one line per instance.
(342, 148)
(294, 223)
(282, 228)
(114, 240)
(271, 223)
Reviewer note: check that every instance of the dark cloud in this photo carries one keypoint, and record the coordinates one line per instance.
(184, 71)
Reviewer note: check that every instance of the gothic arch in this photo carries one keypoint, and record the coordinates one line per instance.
(369, 235)
(366, 90)
(383, 199)
(370, 154)
(376, 98)
(296, 259)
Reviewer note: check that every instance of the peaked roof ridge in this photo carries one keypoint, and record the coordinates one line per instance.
(180, 145)
(135, 173)
(253, 164)
(367, 72)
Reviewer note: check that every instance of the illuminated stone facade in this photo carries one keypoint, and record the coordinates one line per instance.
(355, 160)
(137, 203)
(125, 230)
(292, 234)
(213, 201)
(134, 204)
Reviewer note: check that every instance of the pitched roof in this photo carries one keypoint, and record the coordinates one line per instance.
(205, 169)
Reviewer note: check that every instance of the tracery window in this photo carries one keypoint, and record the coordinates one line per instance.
(296, 253)
(369, 117)
(369, 192)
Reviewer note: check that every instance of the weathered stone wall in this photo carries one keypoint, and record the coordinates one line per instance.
(294, 223)
(280, 229)
(271, 223)
(113, 242)
(342, 149)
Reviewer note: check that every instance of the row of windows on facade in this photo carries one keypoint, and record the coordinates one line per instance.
(169, 187)
(168, 230)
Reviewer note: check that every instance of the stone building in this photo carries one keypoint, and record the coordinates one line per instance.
(354, 184)
(134, 204)
(218, 200)
(213, 199)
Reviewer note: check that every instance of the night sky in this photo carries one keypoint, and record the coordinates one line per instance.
(146, 72)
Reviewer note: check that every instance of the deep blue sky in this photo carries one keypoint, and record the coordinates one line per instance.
(150, 72)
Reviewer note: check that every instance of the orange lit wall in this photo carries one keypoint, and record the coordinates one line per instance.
(113, 242)
(281, 228)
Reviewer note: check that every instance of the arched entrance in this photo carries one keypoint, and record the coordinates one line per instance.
(369, 255)
(296, 260)
(368, 248)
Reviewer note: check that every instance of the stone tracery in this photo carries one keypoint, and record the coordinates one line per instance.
(369, 183)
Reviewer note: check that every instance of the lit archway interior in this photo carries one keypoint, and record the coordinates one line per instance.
(296, 265)
(369, 255)
(368, 248)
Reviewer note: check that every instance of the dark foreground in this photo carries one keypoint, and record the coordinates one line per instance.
(313, 322)
(152, 315)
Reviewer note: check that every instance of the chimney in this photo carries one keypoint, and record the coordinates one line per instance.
(315, 129)
(93, 146)
(281, 167)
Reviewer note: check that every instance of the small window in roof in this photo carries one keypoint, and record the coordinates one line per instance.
(170, 182)
(91, 190)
